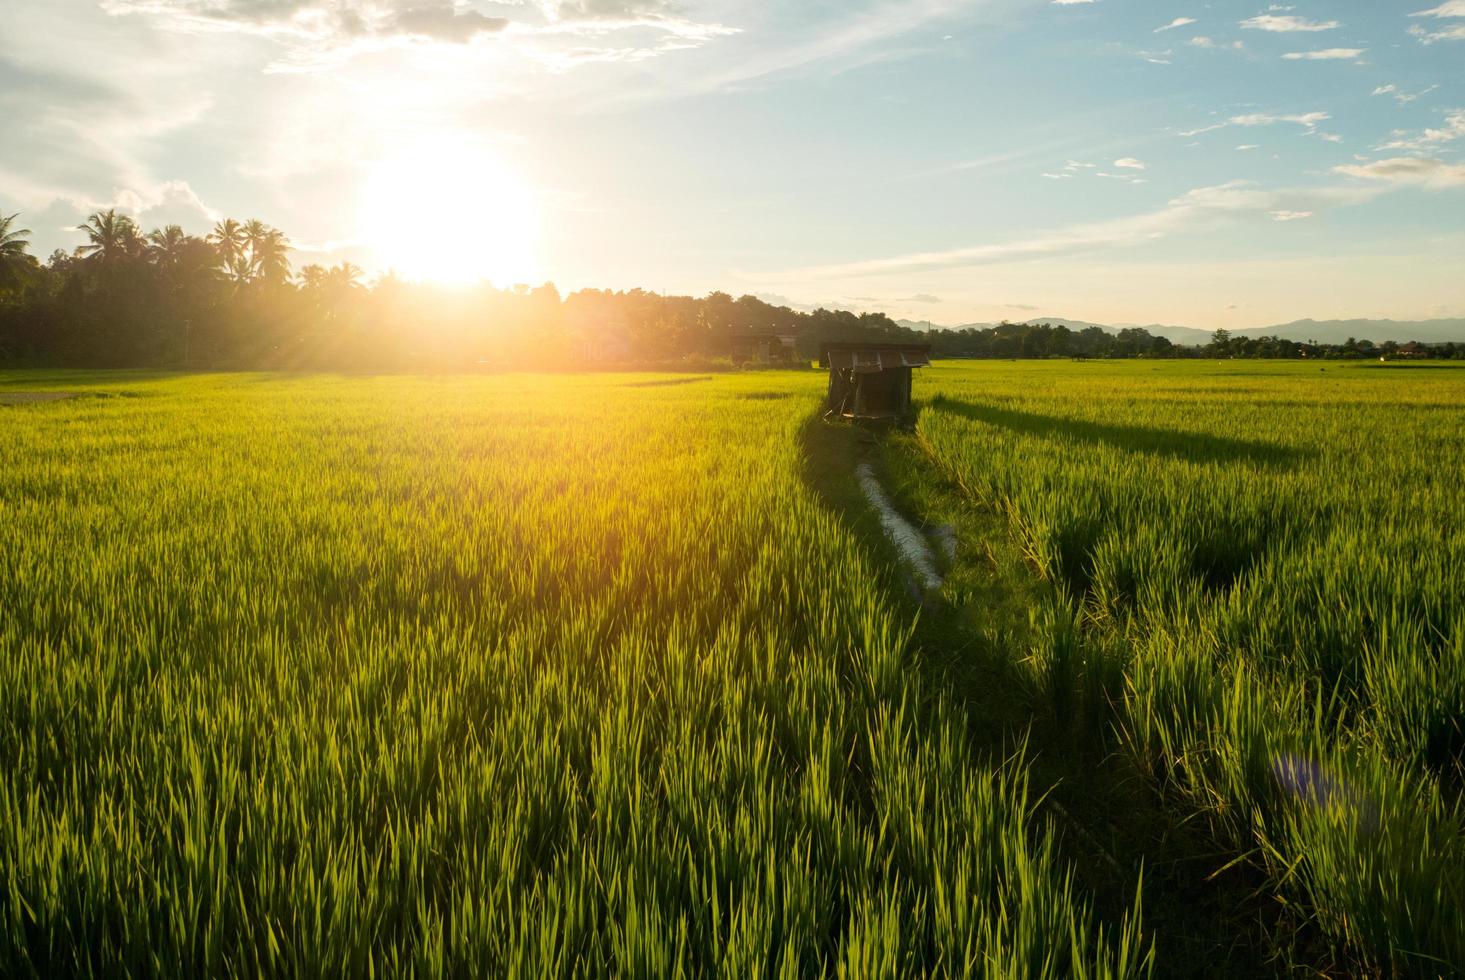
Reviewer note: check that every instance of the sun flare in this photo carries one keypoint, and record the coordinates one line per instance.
(451, 212)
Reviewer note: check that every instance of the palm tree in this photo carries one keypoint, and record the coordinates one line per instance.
(255, 232)
(228, 238)
(329, 289)
(343, 279)
(239, 270)
(111, 237)
(269, 252)
(14, 262)
(313, 277)
(166, 246)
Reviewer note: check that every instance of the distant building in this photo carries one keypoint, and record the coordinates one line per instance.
(871, 381)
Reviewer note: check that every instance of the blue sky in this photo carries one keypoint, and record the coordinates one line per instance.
(1213, 164)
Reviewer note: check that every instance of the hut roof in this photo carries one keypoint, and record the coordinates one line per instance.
(871, 358)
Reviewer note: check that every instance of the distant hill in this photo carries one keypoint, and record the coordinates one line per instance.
(1321, 331)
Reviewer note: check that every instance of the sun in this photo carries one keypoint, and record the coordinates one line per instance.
(448, 210)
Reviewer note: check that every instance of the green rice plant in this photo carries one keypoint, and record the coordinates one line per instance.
(1280, 562)
(483, 676)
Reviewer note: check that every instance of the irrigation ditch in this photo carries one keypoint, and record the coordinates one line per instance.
(978, 605)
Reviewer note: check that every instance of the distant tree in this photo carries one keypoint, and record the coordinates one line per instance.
(269, 252)
(165, 247)
(228, 238)
(15, 263)
(111, 238)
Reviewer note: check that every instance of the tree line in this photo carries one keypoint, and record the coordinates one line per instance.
(232, 299)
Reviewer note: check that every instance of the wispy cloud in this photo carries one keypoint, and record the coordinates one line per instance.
(1327, 54)
(1287, 24)
(1130, 163)
(1450, 8)
(1177, 22)
(1453, 129)
(841, 41)
(323, 33)
(1307, 120)
(1202, 206)
(1452, 32)
(1402, 97)
(1409, 172)
(1201, 41)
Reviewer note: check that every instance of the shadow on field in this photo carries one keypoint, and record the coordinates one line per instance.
(1457, 367)
(1193, 446)
(666, 383)
(973, 644)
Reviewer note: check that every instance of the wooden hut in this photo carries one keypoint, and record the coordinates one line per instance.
(873, 380)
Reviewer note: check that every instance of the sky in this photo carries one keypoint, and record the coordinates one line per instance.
(1222, 164)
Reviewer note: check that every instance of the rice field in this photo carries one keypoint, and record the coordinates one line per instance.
(592, 675)
(1261, 600)
(511, 676)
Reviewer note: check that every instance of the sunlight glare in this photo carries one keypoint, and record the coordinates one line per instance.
(449, 211)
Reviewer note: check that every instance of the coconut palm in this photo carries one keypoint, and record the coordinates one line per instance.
(269, 252)
(13, 258)
(343, 279)
(328, 290)
(166, 246)
(228, 239)
(111, 237)
(313, 278)
(239, 270)
(255, 234)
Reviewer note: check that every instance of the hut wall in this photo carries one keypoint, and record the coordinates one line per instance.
(886, 392)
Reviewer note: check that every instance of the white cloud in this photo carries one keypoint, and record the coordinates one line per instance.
(1409, 172)
(1249, 146)
(1201, 41)
(1289, 215)
(1450, 8)
(1455, 32)
(849, 37)
(1130, 163)
(322, 33)
(1328, 54)
(1453, 129)
(1287, 24)
(1404, 98)
(1177, 22)
(1307, 120)
(336, 21)
(1070, 3)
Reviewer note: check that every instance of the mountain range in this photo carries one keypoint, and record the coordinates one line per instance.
(1320, 331)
